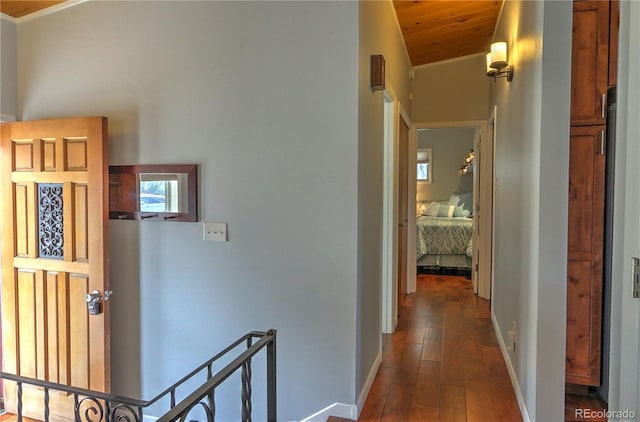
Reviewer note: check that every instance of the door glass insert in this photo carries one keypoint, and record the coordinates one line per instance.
(50, 221)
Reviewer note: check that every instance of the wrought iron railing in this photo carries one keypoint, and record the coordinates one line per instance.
(93, 406)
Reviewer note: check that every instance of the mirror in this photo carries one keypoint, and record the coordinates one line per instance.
(157, 192)
(163, 192)
(424, 169)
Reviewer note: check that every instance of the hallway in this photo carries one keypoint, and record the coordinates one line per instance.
(443, 363)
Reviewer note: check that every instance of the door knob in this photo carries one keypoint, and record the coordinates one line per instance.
(94, 296)
(93, 301)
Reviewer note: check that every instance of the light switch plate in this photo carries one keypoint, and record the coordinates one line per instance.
(215, 232)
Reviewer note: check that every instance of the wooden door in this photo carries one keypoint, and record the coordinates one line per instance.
(483, 214)
(478, 144)
(403, 209)
(589, 62)
(585, 254)
(54, 252)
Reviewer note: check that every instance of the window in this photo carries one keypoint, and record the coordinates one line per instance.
(424, 170)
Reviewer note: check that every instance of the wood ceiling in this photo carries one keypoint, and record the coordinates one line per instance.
(18, 9)
(436, 30)
(433, 30)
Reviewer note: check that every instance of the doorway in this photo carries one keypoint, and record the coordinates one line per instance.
(457, 141)
(396, 246)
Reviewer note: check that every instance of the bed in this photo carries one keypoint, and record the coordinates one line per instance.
(443, 240)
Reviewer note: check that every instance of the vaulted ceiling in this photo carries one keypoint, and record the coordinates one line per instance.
(433, 30)
(436, 30)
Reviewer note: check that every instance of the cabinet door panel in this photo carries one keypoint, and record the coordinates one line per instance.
(585, 253)
(614, 28)
(589, 62)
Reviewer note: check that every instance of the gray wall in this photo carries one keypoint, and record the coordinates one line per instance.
(8, 68)
(449, 147)
(532, 161)
(263, 96)
(379, 34)
(452, 90)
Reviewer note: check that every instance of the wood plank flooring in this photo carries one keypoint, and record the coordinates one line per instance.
(9, 417)
(443, 363)
(576, 405)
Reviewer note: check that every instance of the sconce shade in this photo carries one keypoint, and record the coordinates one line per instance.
(490, 71)
(498, 55)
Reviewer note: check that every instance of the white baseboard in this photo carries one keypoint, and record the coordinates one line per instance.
(348, 411)
(341, 410)
(369, 382)
(7, 118)
(512, 373)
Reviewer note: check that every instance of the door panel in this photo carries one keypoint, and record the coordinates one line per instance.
(581, 362)
(475, 241)
(581, 191)
(483, 214)
(589, 61)
(54, 252)
(585, 255)
(403, 209)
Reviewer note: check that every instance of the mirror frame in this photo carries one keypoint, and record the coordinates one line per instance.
(124, 198)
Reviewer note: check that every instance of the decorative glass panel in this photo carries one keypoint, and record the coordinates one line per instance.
(50, 221)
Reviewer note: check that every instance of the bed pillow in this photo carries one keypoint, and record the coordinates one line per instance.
(460, 212)
(445, 210)
(463, 203)
(422, 208)
(430, 209)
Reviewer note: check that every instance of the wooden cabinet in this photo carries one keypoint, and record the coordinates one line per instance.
(585, 254)
(593, 70)
(614, 24)
(589, 62)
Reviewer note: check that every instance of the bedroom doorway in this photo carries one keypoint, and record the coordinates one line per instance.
(451, 181)
(397, 261)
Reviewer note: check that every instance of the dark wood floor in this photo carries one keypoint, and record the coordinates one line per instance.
(8, 417)
(443, 363)
(575, 406)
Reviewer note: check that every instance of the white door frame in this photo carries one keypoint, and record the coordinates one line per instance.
(393, 111)
(624, 382)
(412, 162)
(389, 215)
(413, 150)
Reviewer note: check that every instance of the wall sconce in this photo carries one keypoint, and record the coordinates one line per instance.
(497, 64)
(467, 164)
(377, 72)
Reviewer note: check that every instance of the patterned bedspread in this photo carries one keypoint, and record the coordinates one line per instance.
(443, 236)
